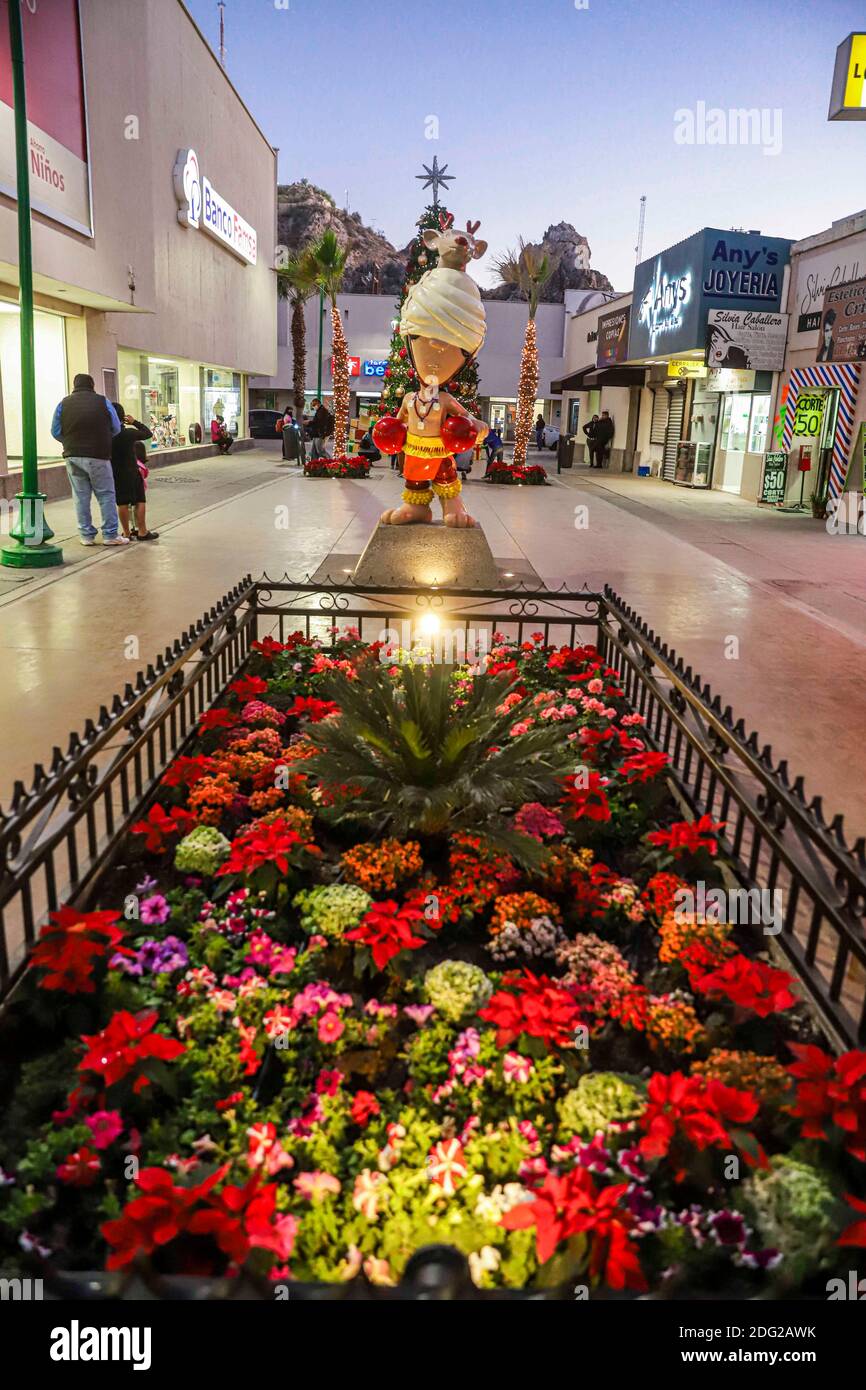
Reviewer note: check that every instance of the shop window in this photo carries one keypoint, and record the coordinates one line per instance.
(735, 423)
(758, 424)
(221, 395)
(49, 341)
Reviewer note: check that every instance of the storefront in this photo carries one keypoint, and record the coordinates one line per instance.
(706, 323)
(168, 302)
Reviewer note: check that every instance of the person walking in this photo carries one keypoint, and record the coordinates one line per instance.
(321, 428)
(603, 436)
(589, 430)
(493, 446)
(85, 424)
(539, 431)
(128, 480)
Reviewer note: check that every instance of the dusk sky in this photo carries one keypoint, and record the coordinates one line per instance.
(548, 112)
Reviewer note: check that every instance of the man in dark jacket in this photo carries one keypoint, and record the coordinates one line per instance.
(603, 436)
(321, 428)
(85, 424)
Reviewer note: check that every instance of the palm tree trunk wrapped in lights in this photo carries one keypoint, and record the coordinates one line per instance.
(529, 268)
(327, 259)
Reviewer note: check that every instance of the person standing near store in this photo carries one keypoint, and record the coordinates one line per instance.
(603, 436)
(128, 481)
(589, 430)
(85, 425)
(539, 431)
(321, 428)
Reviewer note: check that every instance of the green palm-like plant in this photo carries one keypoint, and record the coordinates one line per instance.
(420, 766)
(296, 282)
(325, 261)
(529, 268)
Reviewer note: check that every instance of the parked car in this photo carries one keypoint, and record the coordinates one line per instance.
(551, 436)
(263, 423)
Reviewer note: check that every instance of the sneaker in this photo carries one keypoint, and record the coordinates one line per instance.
(87, 540)
(117, 540)
(148, 536)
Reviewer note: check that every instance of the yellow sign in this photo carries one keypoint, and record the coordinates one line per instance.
(848, 95)
(686, 367)
(809, 414)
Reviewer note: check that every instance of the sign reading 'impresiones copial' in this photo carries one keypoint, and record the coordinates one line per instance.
(201, 206)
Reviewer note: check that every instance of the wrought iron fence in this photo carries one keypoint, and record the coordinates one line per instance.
(59, 837)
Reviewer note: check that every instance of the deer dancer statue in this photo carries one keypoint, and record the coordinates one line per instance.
(443, 327)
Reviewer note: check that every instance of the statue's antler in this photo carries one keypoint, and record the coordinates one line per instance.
(445, 220)
(472, 227)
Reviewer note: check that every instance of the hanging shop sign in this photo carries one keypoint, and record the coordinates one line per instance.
(200, 206)
(57, 124)
(745, 339)
(842, 330)
(729, 379)
(613, 337)
(848, 93)
(375, 366)
(815, 275)
(774, 478)
(686, 368)
(675, 292)
(353, 364)
(809, 414)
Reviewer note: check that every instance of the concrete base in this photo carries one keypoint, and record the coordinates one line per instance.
(413, 556)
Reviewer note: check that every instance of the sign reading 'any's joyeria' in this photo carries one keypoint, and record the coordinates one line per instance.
(199, 205)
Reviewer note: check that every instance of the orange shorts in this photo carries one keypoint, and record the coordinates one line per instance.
(420, 471)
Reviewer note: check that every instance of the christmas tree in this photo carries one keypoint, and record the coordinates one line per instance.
(400, 375)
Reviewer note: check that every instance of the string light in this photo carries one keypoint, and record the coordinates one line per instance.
(341, 383)
(527, 393)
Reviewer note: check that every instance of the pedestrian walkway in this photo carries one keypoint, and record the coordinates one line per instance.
(700, 577)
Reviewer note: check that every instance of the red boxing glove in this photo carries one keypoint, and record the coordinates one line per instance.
(389, 434)
(458, 433)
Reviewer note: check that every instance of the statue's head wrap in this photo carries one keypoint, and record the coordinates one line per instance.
(445, 304)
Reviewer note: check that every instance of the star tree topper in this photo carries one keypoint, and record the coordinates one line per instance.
(432, 178)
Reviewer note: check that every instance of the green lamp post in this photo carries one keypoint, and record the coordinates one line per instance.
(30, 532)
(321, 319)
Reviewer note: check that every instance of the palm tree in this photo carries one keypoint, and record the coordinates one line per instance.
(529, 269)
(295, 282)
(418, 765)
(327, 264)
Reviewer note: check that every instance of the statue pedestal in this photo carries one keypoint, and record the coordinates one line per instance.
(410, 557)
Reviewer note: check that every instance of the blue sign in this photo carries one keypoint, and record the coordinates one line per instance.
(675, 291)
(374, 368)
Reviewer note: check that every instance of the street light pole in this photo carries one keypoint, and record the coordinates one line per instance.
(30, 531)
(321, 320)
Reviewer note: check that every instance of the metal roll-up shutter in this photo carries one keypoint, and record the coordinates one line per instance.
(673, 434)
(658, 423)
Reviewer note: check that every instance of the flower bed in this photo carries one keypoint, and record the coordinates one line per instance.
(342, 466)
(533, 474)
(400, 957)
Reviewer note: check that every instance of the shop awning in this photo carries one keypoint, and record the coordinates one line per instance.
(574, 382)
(616, 376)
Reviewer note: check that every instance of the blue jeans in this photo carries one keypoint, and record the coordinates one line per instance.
(90, 477)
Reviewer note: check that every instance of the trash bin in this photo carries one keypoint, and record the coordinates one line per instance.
(564, 452)
(291, 442)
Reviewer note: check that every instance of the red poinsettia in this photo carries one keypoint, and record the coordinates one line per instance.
(387, 929)
(271, 843)
(269, 647)
(308, 707)
(159, 825)
(750, 984)
(585, 797)
(126, 1041)
(855, 1234)
(567, 1206)
(217, 719)
(69, 948)
(532, 1004)
(643, 767)
(573, 658)
(185, 772)
(690, 1111)
(831, 1089)
(79, 1169)
(364, 1107)
(688, 837)
(248, 687)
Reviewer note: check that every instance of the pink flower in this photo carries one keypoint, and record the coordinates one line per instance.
(154, 910)
(516, 1067)
(328, 1083)
(331, 1027)
(522, 727)
(419, 1013)
(104, 1126)
(316, 1185)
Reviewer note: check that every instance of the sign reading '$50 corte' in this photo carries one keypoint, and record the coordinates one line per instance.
(199, 205)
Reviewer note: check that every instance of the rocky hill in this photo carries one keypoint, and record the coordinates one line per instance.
(376, 267)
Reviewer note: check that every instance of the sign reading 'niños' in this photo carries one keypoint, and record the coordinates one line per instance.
(201, 206)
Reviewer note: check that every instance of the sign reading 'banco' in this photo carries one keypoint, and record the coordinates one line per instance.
(201, 206)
